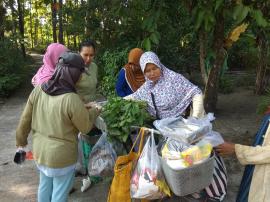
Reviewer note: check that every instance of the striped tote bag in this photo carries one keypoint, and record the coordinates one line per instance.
(218, 188)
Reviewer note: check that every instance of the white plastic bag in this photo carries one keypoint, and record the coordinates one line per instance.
(186, 130)
(147, 181)
(102, 158)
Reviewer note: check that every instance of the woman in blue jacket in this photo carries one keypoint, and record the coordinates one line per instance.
(130, 77)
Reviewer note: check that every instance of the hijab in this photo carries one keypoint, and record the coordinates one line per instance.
(172, 93)
(67, 73)
(50, 59)
(135, 78)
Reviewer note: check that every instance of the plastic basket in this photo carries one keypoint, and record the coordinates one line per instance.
(189, 180)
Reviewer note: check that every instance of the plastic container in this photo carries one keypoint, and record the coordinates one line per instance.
(191, 179)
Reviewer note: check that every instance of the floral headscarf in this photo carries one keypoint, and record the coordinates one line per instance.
(173, 93)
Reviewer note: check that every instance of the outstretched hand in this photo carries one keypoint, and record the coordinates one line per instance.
(94, 105)
(225, 149)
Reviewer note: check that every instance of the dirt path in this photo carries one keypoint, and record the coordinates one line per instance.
(236, 120)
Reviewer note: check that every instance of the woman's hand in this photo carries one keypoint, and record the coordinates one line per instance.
(90, 105)
(225, 149)
(94, 105)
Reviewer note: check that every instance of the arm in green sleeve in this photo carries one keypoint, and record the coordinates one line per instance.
(82, 118)
(24, 126)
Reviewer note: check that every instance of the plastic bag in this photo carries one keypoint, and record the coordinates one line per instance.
(172, 149)
(214, 138)
(186, 130)
(102, 158)
(80, 165)
(22, 154)
(147, 181)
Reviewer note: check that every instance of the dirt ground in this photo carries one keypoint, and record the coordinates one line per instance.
(236, 120)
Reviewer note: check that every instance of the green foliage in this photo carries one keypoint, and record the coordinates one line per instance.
(110, 63)
(264, 102)
(11, 67)
(120, 114)
(243, 55)
(226, 85)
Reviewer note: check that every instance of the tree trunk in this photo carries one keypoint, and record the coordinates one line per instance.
(60, 17)
(202, 39)
(211, 89)
(87, 19)
(31, 25)
(21, 26)
(54, 20)
(74, 41)
(36, 24)
(2, 19)
(13, 17)
(260, 84)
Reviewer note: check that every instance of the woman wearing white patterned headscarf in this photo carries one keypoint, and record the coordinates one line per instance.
(167, 93)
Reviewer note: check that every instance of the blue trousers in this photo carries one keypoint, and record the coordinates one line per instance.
(55, 189)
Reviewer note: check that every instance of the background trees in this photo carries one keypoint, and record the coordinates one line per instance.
(189, 36)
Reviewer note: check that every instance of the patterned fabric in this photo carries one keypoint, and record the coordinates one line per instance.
(173, 93)
(218, 188)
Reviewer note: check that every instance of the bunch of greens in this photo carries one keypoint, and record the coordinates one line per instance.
(119, 114)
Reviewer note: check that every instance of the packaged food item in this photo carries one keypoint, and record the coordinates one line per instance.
(197, 153)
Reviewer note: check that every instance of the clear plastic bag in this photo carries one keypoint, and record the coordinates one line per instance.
(186, 130)
(102, 158)
(148, 181)
(172, 149)
(80, 167)
(214, 138)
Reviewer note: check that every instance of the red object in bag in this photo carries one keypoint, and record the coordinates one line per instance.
(29, 155)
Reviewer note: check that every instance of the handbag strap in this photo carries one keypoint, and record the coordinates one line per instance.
(155, 106)
(140, 134)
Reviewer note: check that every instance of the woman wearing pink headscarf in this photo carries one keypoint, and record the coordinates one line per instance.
(50, 59)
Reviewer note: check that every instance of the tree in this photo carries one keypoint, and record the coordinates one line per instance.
(60, 17)
(2, 18)
(54, 19)
(21, 25)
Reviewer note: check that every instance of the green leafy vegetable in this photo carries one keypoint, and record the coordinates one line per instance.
(120, 114)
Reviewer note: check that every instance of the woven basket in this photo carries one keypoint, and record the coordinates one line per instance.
(189, 180)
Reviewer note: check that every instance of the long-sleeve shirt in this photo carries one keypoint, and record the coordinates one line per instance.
(122, 87)
(87, 85)
(54, 122)
(260, 157)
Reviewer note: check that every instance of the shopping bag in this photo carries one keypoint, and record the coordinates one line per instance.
(148, 181)
(120, 187)
(102, 158)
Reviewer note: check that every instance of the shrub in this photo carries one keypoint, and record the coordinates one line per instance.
(111, 62)
(264, 102)
(12, 67)
(226, 85)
